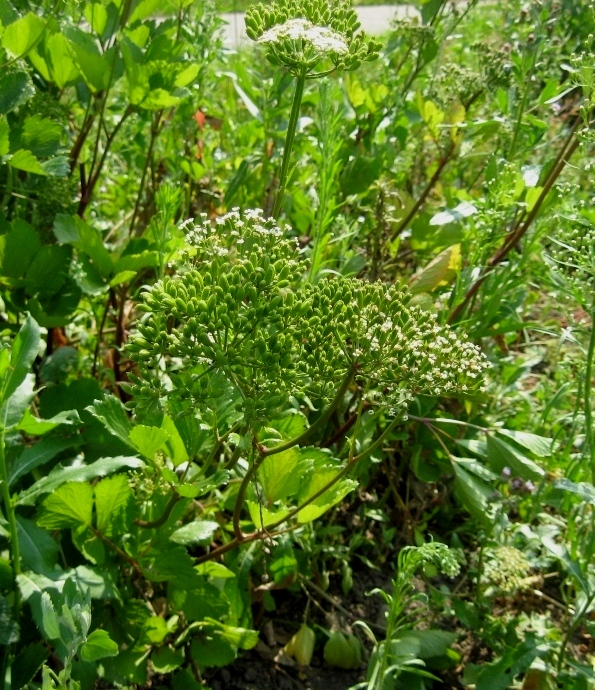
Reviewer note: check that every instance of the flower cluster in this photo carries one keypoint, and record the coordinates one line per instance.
(298, 34)
(574, 255)
(240, 310)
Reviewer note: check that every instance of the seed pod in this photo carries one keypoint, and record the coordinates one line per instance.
(301, 645)
(343, 651)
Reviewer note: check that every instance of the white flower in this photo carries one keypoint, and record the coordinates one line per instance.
(321, 38)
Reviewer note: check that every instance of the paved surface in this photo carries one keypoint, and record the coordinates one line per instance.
(375, 19)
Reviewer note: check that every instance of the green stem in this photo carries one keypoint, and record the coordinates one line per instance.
(320, 422)
(291, 127)
(587, 397)
(12, 527)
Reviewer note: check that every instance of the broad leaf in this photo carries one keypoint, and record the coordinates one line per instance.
(148, 439)
(540, 446)
(98, 646)
(197, 532)
(38, 550)
(24, 160)
(76, 473)
(69, 506)
(23, 353)
(502, 454)
(20, 36)
(112, 414)
(583, 489)
(111, 496)
(37, 455)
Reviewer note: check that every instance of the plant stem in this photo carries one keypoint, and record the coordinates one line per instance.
(291, 127)
(320, 422)
(12, 527)
(587, 396)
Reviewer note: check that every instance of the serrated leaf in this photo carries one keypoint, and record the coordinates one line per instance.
(279, 477)
(74, 231)
(76, 473)
(166, 659)
(18, 248)
(112, 414)
(71, 505)
(319, 479)
(174, 445)
(148, 439)
(111, 495)
(9, 628)
(35, 426)
(197, 532)
(62, 67)
(49, 617)
(99, 645)
(24, 160)
(20, 36)
(15, 89)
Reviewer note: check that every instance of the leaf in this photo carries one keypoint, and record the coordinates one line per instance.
(74, 231)
(198, 532)
(474, 494)
(71, 505)
(95, 67)
(583, 489)
(174, 445)
(111, 496)
(37, 455)
(38, 550)
(540, 446)
(26, 161)
(9, 628)
(35, 426)
(166, 659)
(15, 89)
(502, 454)
(26, 664)
(22, 355)
(279, 476)
(4, 133)
(572, 566)
(63, 68)
(76, 473)
(463, 210)
(148, 439)
(112, 414)
(98, 646)
(41, 136)
(49, 617)
(20, 36)
(329, 498)
(18, 248)
(440, 271)
(13, 411)
(239, 637)
(154, 631)
(500, 674)
(48, 271)
(209, 649)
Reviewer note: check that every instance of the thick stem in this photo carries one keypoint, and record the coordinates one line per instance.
(291, 128)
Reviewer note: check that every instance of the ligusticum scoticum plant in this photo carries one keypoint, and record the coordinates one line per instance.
(298, 35)
(238, 311)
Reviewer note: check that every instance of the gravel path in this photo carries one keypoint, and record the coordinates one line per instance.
(375, 19)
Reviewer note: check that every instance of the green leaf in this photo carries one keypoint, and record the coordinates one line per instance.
(279, 476)
(173, 564)
(474, 494)
(48, 272)
(26, 664)
(69, 506)
(148, 439)
(440, 271)
(49, 618)
(166, 659)
(37, 455)
(174, 445)
(98, 646)
(35, 426)
(14, 408)
(239, 637)
(154, 631)
(112, 414)
(76, 473)
(15, 89)
(540, 446)
(24, 160)
(111, 496)
(209, 649)
(18, 248)
(263, 517)
(9, 628)
(96, 14)
(198, 532)
(38, 550)
(502, 454)
(4, 133)
(25, 349)
(63, 68)
(41, 136)
(95, 68)
(20, 36)
(74, 231)
(500, 674)
(583, 489)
